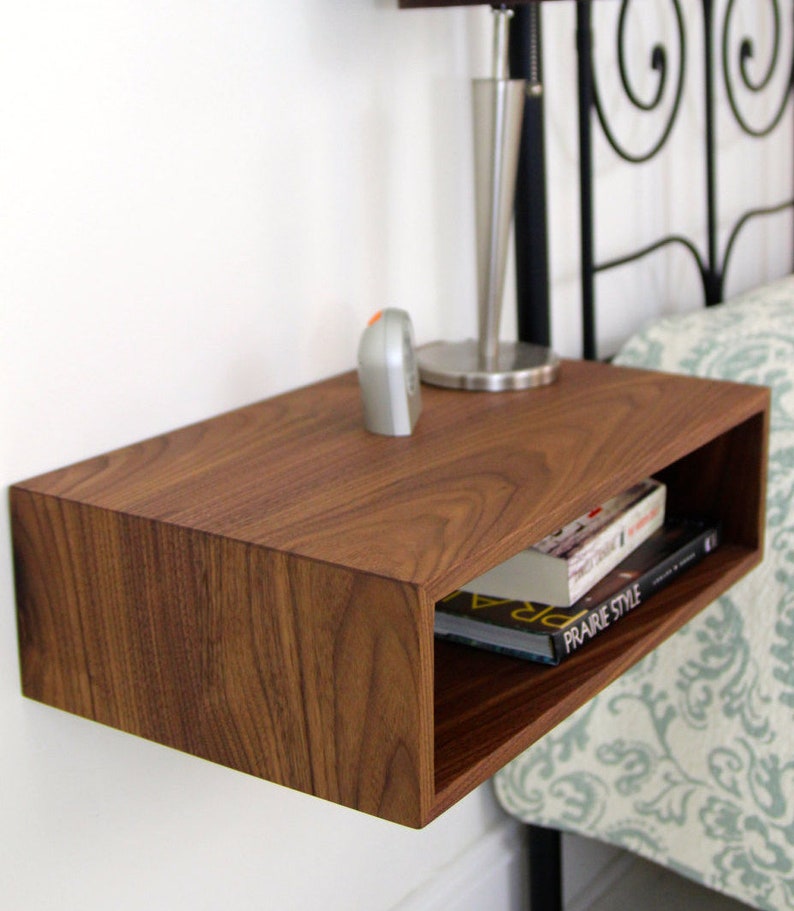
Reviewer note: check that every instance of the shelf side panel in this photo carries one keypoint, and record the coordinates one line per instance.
(298, 672)
(726, 479)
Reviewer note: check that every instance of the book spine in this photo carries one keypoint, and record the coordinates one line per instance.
(615, 542)
(524, 653)
(608, 612)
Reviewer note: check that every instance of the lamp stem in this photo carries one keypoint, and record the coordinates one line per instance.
(501, 35)
(498, 113)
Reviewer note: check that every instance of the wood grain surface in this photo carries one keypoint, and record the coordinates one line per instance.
(482, 477)
(258, 589)
(294, 671)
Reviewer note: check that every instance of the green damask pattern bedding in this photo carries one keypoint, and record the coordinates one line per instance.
(688, 759)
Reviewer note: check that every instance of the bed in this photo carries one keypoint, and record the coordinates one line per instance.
(688, 759)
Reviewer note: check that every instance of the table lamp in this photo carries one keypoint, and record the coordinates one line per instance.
(488, 363)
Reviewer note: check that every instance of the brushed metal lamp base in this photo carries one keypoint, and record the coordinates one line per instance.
(458, 365)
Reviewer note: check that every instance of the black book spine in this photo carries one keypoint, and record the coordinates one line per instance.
(606, 613)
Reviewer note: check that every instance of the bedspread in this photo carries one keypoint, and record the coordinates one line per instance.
(688, 759)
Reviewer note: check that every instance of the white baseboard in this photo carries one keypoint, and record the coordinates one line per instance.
(587, 893)
(491, 874)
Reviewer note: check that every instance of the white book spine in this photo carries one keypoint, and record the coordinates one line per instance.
(601, 556)
(536, 576)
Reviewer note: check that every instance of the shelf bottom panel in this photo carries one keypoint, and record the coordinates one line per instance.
(490, 707)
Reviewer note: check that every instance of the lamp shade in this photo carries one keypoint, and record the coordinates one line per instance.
(416, 4)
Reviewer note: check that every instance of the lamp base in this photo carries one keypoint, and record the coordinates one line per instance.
(457, 365)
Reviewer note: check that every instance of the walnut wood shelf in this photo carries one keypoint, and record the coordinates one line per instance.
(258, 589)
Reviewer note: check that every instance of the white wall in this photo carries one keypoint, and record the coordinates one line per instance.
(202, 202)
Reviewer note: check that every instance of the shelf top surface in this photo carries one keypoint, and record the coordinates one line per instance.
(483, 475)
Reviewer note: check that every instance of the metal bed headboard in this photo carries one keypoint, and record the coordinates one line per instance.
(719, 47)
(710, 255)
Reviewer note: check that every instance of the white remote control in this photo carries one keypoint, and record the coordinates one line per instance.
(388, 374)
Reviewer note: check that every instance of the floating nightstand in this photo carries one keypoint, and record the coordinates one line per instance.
(258, 589)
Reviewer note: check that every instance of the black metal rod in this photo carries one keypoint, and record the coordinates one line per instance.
(530, 219)
(584, 47)
(713, 275)
(545, 869)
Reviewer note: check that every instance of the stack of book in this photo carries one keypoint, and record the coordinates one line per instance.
(551, 599)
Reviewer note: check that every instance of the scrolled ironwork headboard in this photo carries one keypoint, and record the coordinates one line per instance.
(729, 54)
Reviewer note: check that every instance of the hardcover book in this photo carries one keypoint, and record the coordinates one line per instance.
(549, 633)
(565, 565)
